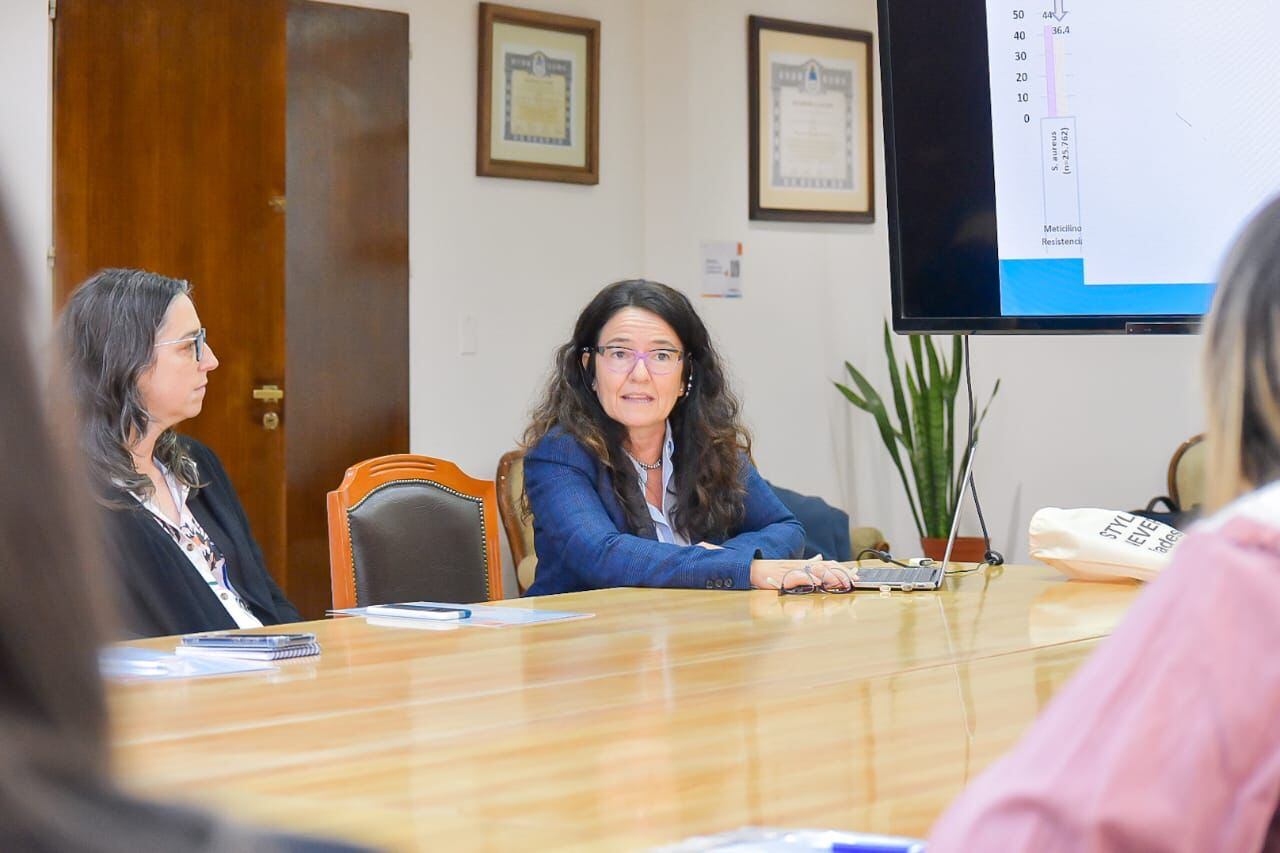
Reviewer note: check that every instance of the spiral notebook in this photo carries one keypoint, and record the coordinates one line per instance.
(300, 651)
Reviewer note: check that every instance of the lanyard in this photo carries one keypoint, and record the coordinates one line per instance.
(175, 533)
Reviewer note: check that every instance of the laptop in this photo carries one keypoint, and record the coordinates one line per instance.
(905, 580)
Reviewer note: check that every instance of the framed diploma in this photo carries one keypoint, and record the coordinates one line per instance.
(538, 111)
(810, 127)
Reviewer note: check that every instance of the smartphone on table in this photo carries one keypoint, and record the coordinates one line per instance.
(229, 640)
(419, 610)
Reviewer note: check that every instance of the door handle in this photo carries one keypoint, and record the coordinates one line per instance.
(268, 393)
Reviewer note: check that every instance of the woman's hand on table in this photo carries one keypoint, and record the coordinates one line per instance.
(774, 574)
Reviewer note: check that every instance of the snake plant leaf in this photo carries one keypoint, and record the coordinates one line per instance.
(953, 386)
(982, 417)
(895, 380)
(957, 362)
(924, 390)
(888, 435)
(870, 402)
(917, 355)
(927, 461)
(937, 408)
(919, 447)
(977, 427)
(923, 462)
(853, 398)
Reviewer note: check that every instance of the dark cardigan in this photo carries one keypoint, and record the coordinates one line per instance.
(161, 593)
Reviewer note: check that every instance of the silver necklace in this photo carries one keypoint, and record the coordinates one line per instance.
(654, 467)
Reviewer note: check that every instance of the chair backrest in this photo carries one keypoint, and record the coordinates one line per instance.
(515, 521)
(1187, 474)
(407, 528)
(826, 528)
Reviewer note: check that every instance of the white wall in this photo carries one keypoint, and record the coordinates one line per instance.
(1079, 420)
(521, 257)
(25, 138)
(810, 290)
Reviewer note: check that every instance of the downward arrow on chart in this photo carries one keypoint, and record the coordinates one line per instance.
(1058, 11)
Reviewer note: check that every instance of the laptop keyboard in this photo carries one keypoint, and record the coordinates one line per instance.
(926, 576)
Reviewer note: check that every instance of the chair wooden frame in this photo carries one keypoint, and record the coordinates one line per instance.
(363, 478)
(1174, 462)
(509, 509)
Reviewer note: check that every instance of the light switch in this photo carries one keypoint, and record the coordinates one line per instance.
(468, 335)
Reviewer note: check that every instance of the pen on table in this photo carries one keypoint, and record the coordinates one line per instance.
(878, 846)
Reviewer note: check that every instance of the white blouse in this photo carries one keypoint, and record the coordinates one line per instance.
(202, 552)
(662, 515)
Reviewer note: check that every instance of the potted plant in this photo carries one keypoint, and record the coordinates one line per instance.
(925, 433)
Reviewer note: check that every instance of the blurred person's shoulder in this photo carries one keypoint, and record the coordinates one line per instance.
(1250, 523)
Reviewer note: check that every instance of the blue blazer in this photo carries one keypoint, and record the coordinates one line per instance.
(579, 530)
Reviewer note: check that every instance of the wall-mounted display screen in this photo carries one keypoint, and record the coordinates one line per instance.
(1072, 165)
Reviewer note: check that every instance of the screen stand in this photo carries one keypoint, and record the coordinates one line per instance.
(955, 519)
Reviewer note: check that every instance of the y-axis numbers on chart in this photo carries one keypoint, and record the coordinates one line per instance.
(1020, 56)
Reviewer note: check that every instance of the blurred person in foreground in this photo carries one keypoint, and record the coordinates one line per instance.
(56, 793)
(1168, 738)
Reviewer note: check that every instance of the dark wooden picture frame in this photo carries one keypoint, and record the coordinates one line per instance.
(800, 202)
(513, 157)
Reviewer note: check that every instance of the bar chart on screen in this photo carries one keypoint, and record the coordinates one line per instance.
(1060, 173)
(1129, 141)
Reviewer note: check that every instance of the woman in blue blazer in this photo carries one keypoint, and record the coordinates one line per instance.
(638, 469)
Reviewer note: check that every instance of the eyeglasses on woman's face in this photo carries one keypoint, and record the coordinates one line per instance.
(196, 340)
(618, 359)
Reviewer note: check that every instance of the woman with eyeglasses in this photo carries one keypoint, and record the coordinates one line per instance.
(638, 469)
(139, 365)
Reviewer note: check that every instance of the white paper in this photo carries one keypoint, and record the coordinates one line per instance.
(482, 615)
(127, 663)
(722, 269)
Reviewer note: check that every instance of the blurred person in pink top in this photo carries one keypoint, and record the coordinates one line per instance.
(1168, 738)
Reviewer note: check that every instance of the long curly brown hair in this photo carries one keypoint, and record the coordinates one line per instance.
(711, 444)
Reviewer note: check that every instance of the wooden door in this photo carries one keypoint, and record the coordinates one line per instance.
(169, 155)
(178, 127)
(347, 264)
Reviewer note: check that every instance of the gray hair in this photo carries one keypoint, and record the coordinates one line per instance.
(108, 332)
(1242, 364)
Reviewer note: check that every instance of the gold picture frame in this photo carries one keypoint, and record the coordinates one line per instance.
(811, 120)
(538, 96)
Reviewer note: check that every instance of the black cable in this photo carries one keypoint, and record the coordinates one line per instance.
(995, 558)
(886, 557)
(883, 556)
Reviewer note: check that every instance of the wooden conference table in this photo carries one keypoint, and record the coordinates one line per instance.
(670, 713)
